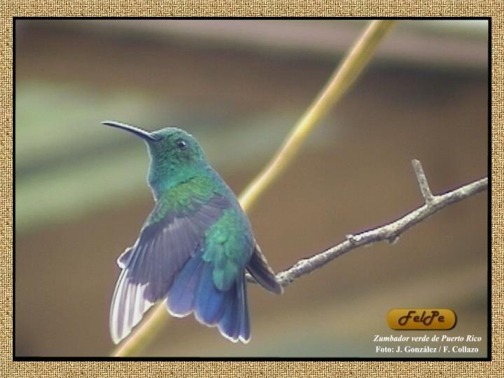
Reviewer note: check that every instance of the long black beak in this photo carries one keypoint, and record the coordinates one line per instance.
(132, 129)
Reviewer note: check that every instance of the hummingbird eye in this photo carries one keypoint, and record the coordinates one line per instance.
(181, 143)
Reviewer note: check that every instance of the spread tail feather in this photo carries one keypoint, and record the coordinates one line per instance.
(194, 291)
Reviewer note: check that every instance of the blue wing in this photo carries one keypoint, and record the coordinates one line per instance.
(259, 269)
(150, 266)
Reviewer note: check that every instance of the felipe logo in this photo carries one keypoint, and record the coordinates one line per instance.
(421, 318)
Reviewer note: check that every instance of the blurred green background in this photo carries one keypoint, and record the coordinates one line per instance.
(239, 86)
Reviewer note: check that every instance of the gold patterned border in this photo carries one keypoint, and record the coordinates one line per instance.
(349, 8)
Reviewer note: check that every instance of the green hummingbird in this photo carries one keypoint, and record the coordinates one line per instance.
(194, 248)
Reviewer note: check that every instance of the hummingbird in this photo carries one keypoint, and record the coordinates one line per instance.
(194, 248)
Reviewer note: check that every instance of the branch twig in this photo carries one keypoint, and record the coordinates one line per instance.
(389, 232)
(422, 182)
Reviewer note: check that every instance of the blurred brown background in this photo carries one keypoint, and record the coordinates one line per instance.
(239, 86)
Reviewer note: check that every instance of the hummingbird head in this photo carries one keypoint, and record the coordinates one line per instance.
(174, 153)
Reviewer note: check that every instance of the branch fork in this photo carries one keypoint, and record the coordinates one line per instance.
(389, 232)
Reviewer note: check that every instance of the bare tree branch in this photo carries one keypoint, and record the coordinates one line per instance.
(389, 232)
